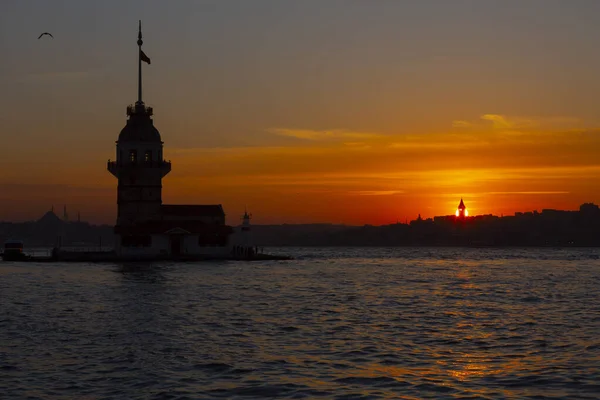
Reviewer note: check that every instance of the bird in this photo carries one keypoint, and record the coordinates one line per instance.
(46, 33)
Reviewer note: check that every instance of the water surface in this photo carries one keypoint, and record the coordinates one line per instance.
(334, 323)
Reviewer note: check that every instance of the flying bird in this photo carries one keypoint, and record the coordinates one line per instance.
(46, 33)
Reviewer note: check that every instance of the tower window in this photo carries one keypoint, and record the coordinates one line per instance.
(148, 156)
(132, 155)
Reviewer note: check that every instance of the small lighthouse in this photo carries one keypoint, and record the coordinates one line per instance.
(461, 211)
(244, 243)
(246, 221)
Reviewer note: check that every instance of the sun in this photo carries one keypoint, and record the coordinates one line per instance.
(457, 213)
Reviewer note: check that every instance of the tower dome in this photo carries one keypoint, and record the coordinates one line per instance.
(140, 127)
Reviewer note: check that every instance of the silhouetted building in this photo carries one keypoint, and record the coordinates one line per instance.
(145, 226)
(51, 230)
(589, 209)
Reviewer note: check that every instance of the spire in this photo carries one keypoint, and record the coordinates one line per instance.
(139, 43)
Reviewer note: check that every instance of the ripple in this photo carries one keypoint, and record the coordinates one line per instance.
(335, 323)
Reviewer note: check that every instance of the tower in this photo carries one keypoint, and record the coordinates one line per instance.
(246, 236)
(462, 212)
(246, 221)
(140, 166)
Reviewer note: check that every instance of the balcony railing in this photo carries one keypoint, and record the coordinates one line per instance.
(134, 109)
(138, 163)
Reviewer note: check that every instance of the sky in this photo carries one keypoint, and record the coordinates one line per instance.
(306, 111)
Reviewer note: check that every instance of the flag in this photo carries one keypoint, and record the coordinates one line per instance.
(144, 57)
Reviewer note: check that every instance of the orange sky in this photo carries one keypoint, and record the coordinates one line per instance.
(320, 124)
(497, 164)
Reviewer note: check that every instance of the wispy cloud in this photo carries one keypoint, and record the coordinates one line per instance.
(462, 124)
(323, 135)
(436, 142)
(499, 121)
(377, 192)
(529, 192)
(519, 123)
(485, 193)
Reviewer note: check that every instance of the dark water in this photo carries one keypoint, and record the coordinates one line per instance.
(336, 323)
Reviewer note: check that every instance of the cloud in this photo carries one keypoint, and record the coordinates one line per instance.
(437, 142)
(323, 135)
(516, 124)
(499, 121)
(529, 192)
(484, 193)
(357, 145)
(377, 192)
(461, 124)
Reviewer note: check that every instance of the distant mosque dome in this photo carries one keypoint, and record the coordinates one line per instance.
(49, 218)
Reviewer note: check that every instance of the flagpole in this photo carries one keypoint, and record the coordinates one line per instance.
(140, 42)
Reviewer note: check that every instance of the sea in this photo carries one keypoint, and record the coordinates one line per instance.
(334, 323)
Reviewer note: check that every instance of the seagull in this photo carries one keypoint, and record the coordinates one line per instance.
(46, 33)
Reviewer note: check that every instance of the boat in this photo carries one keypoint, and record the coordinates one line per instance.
(13, 251)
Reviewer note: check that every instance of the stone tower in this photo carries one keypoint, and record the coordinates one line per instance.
(140, 166)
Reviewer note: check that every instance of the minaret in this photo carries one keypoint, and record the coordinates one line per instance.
(65, 215)
(140, 166)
